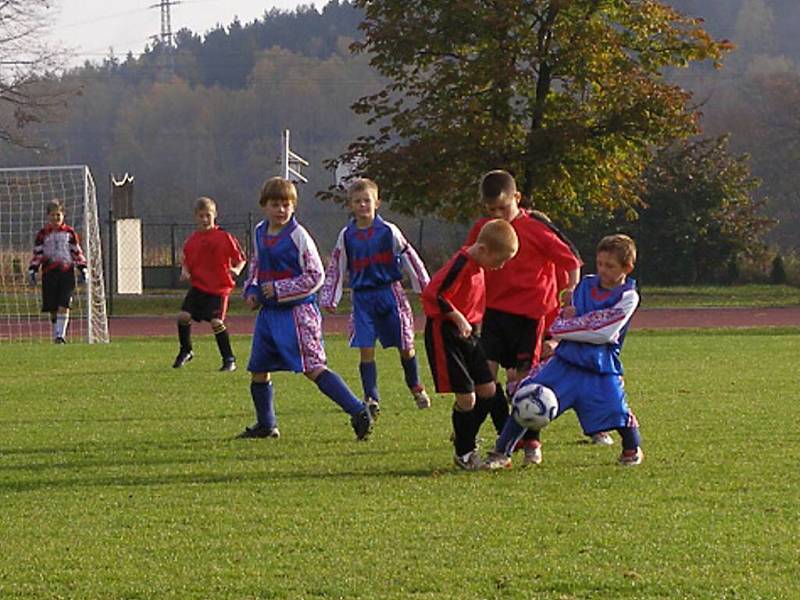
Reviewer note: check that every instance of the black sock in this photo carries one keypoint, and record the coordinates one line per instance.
(499, 409)
(223, 342)
(185, 336)
(464, 429)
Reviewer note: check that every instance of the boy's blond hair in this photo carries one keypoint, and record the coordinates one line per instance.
(361, 184)
(497, 183)
(55, 204)
(204, 202)
(621, 246)
(499, 237)
(278, 188)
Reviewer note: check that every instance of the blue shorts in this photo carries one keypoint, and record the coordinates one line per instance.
(598, 399)
(287, 339)
(382, 314)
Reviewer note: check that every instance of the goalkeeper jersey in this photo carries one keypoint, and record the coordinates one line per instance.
(57, 247)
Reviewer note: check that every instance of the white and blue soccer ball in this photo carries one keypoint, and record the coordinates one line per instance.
(534, 405)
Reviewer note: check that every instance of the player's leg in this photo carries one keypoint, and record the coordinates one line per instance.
(221, 334)
(480, 379)
(363, 336)
(305, 326)
(185, 329)
(266, 425)
(396, 328)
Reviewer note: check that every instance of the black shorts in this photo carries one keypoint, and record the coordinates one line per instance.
(57, 288)
(457, 364)
(203, 306)
(510, 340)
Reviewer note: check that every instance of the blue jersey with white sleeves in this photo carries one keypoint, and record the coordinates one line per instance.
(593, 338)
(288, 259)
(373, 257)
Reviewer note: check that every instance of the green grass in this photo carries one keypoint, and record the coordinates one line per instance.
(119, 479)
(734, 296)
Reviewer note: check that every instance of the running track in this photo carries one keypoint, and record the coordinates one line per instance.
(653, 318)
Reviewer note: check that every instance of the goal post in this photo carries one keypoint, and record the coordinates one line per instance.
(24, 195)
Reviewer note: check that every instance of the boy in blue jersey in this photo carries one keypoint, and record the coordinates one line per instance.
(586, 371)
(285, 274)
(375, 253)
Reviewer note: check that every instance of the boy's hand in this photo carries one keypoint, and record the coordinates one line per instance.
(548, 349)
(185, 275)
(251, 301)
(32, 278)
(566, 296)
(269, 289)
(567, 312)
(464, 327)
(82, 275)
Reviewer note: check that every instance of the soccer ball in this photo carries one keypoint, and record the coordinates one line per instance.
(534, 406)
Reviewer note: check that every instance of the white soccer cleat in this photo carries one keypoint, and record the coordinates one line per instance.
(602, 439)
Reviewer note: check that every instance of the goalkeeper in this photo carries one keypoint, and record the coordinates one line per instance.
(57, 251)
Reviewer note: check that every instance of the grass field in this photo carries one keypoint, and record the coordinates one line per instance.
(119, 479)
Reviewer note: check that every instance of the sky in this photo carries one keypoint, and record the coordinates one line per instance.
(90, 27)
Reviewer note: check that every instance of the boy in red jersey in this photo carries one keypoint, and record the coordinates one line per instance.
(57, 250)
(212, 259)
(454, 302)
(520, 296)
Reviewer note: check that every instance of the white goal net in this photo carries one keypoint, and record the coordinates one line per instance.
(24, 195)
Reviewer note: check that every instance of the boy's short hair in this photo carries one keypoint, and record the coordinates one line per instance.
(204, 202)
(499, 237)
(362, 183)
(55, 204)
(497, 183)
(621, 246)
(278, 188)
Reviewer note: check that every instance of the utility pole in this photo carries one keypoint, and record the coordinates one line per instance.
(166, 34)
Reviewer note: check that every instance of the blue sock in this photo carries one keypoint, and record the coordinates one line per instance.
(334, 387)
(262, 400)
(512, 432)
(411, 370)
(369, 379)
(631, 439)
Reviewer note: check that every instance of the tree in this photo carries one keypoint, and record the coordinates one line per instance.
(567, 95)
(26, 94)
(701, 215)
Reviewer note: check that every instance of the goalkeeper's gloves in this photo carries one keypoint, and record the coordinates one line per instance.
(32, 278)
(81, 274)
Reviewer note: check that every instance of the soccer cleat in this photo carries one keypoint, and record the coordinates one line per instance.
(496, 461)
(59, 340)
(362, 424)
(259, 431)
(603, 439)
(228, 364)
(374, 408)
(422, 399)
(631, 458)
(533, 453)
(469, 462)
(182, 359)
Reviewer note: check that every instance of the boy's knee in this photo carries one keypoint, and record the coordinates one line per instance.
(486, 390)
(184, 318)
(408, 353)
(259, 377)
(465, 402)
(314, 373)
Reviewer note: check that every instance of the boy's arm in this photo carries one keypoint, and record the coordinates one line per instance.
(331, 291)
(412, 263)
(312, 276)
(597, 326)
(251, 282)
(237, 257)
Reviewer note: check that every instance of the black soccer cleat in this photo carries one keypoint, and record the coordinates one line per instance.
(59, 340)
(362, 424)
(182, 358)
(259, 431)
(228, 364)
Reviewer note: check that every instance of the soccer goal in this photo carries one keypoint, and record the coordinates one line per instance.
(24, 194)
